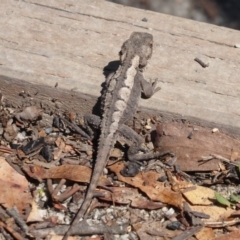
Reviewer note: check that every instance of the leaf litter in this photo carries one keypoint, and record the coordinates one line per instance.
(47, 163)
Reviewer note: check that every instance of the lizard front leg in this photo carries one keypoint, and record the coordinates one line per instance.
(148, 88)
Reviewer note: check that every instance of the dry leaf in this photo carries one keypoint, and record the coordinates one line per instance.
(205, 234)
(60, 143)
(57, 153)
(231, 236)
(123, 195)
(152, 230)
(199, 195)
(14, 188)
(75, 173)
(34, 215)
(216, 213)
(62, 147)
(147, 182)
(68, 149)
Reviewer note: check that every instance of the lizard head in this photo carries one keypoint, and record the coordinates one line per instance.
(140, 44)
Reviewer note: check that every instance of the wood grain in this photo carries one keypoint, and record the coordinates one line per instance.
(70, 42)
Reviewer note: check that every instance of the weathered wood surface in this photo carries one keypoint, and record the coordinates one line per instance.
(45, 42)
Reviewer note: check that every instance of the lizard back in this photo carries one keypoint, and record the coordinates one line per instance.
(119, 102)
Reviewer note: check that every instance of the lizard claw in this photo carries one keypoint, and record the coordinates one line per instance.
(154, 84)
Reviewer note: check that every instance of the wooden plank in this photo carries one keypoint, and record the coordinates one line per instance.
(46, 42)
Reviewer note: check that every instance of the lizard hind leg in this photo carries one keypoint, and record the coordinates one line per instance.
(137, 152)
(135, 161)
(92, 124)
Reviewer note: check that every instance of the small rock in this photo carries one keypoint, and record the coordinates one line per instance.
(20, 136)
(48, 130)
(174, 225)
(89, 153)
(10, 132)
(148, 127)
(116, 153)
(46, 152)
(215, 130)
(105, 171)
(150, 146)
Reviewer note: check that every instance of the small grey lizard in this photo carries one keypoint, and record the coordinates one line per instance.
(119, 102)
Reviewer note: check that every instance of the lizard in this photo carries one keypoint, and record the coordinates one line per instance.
(119, 102)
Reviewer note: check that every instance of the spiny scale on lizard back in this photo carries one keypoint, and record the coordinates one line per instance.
(134, 55)
(138, 44)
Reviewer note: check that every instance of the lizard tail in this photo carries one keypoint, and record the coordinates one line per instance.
(102, 157)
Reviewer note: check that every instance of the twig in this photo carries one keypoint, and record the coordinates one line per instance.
(224, 159)
(15, 234)
(81, 229)
(63, 196)
(75, 128)
(3, 215)
(219, 157)
(222, 223)
(13, 164)
(50, 186)
(44, 164)
(4, 149)
(68, 193)
(20, 222)
(188, 233)
(58, 187)
(5, 235)
(204, 65)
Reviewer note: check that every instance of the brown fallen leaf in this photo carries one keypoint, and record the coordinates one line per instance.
(14, 188)
(190, 145)
(147, 182)
(124, 195)
(152, 230)
(205, 234)
(60, 144)
(62, 147)
(57, 152)
(231, 236)
(75, 173)
(216, 213)
(34, 215)
(199, 195)
(7, 150)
